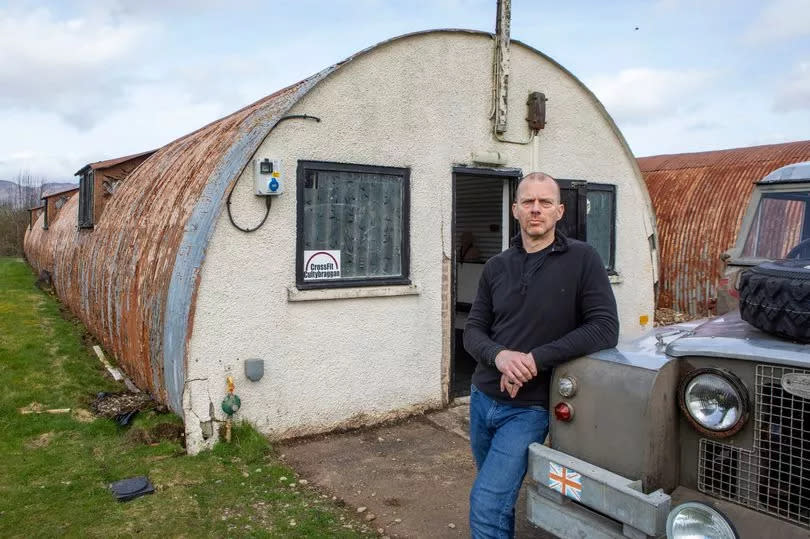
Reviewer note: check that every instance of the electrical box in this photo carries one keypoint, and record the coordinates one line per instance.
(267, 177)
(537, 111)
(254, 369)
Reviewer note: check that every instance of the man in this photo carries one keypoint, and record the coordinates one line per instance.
(543, 301)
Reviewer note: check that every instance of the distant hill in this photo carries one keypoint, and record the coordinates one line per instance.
(11, 194)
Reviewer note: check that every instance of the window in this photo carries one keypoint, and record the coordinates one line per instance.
(590, 215)
(352, 225)
(600, 221)
(86, 199)
(781, 222)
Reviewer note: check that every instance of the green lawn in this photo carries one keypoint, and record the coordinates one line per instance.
(55, 468)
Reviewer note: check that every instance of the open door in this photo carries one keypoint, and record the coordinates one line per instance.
(482, 227)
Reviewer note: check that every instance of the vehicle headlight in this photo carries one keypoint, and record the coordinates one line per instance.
(715, 401)
(693, 519)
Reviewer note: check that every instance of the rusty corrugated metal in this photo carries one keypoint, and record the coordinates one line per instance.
(62, 192)
(117, 277)
(699, 200)
(99, 165)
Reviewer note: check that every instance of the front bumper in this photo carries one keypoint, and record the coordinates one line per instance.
(572, 498)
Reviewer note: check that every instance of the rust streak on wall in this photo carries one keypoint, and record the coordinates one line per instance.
(699, 201)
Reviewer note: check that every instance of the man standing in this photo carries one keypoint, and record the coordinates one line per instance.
(543, 301)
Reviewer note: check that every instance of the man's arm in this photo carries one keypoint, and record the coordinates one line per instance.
(600, 322)
(476, 331)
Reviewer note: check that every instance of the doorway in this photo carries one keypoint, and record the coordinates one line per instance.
(482, 227)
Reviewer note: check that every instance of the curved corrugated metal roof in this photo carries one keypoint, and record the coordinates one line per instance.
(133, 279)
(98, 165)
(62, 192)
(699, 200)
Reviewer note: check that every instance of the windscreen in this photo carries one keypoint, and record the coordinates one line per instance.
(780, 223)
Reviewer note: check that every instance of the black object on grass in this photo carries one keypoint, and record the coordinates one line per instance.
(124, 419)
(129, 489)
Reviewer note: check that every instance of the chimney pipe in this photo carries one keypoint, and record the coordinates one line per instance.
(501, 63)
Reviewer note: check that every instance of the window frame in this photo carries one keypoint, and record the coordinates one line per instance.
(735, 254)
(609, 188)
(86, 200)
(804, 230)
(305, 166)
(582, 188)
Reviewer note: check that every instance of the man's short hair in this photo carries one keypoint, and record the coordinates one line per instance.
(540, 177)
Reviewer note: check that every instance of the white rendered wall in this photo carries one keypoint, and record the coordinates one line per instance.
(421, 102)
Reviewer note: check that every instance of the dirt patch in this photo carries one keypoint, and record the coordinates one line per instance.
(83, 416)
(413, 476)
(33, 408)
(112, 405)
(43, 440)
(666, 317)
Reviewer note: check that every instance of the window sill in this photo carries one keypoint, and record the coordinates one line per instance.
(615, 278)
(293, 294)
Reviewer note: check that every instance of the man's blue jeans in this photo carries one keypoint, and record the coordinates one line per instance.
(500, 435)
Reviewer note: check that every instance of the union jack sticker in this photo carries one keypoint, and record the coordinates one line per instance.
(566, 481)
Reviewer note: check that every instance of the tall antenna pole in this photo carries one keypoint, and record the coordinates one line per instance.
(501, 64)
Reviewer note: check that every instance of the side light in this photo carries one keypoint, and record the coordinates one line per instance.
(564, 412)
(567, 386)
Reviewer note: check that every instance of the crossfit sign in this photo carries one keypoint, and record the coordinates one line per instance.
(321, 265)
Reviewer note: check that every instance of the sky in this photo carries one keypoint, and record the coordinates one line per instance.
(87, 80)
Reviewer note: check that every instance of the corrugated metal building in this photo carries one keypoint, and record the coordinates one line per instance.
(699, 200)
(342, 307)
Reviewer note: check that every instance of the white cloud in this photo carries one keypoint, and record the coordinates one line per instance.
(780, 20)
(46, 145)
(794, 94)
(70, 66)
(643, 95)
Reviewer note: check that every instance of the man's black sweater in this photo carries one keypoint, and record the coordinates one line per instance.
(557, 304)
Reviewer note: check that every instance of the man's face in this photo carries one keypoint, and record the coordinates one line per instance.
(537, 208)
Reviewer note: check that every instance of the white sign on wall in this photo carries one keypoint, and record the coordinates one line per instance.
(321, 265)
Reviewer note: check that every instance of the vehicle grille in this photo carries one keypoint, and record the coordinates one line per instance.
(774, 477)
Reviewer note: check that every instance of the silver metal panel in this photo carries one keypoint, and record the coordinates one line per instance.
(605, 491)
(649, 350)
(568, 520)
(729, 336)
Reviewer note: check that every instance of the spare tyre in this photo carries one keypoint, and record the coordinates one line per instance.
(775, 297)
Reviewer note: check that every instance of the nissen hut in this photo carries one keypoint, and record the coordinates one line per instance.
(322, 245)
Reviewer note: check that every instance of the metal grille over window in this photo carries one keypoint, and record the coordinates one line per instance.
(353, 222)
(774, 477)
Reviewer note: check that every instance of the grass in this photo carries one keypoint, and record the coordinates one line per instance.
(55, 468)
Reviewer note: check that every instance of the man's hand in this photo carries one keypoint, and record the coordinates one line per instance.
(517, 366)
(509, 387)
